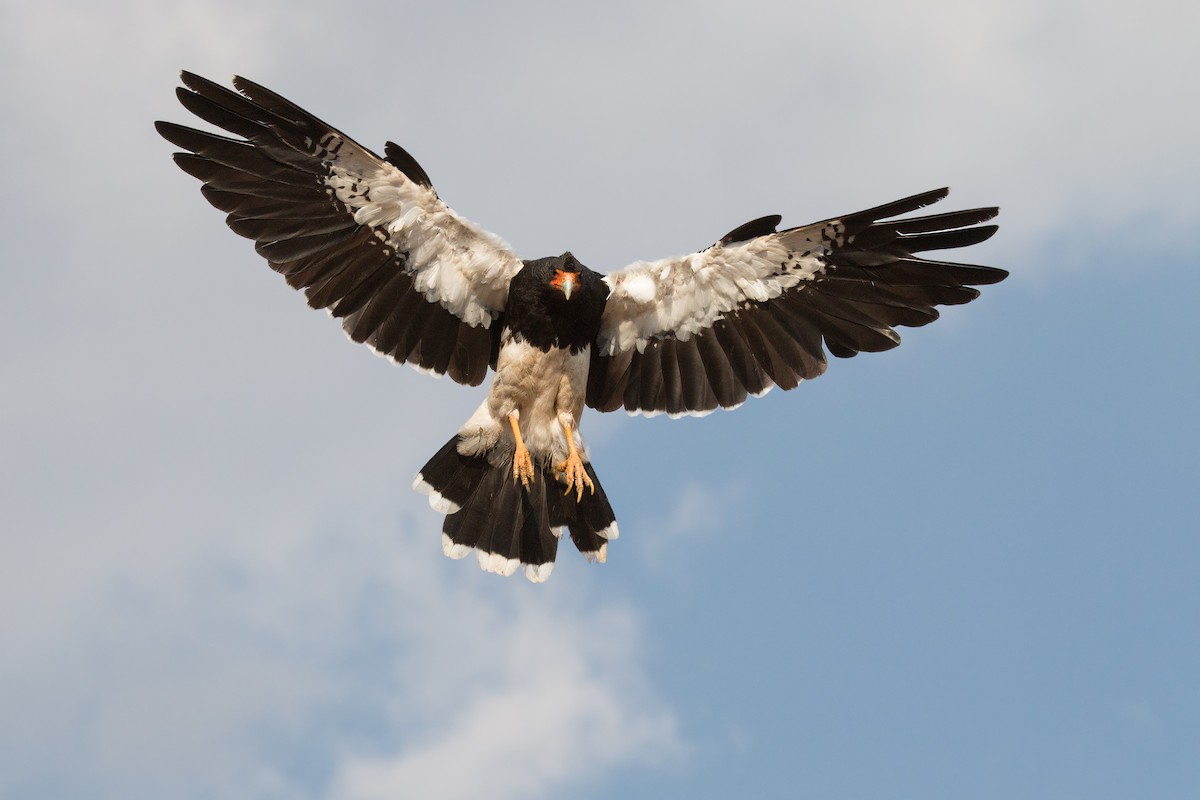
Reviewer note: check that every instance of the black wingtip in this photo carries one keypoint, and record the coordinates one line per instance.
(989, 275)
(903, 206)
(173, 133)
(763, 226)
(206, 86)
(400, 158)
(260, 94)
(198, 83)
(247, 86)
(986, 232)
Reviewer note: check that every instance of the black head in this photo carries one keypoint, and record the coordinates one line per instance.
(562, 273)
(556, 302)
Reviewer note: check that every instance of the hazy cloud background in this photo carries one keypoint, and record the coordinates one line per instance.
(963, 568)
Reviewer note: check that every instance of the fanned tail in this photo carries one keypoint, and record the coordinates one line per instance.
(509, 526)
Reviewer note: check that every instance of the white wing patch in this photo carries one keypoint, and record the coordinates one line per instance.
(453, 262)
(684, 296)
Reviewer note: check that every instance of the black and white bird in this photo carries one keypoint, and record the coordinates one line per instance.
(368, 239)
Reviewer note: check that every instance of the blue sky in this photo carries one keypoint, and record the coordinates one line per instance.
(965, 567)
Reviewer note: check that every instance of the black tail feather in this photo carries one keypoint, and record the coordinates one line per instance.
(590, 519)
(510, 526)
(450, 478)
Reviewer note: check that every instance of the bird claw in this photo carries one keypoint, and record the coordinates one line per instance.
(575, 476)
(522, 466)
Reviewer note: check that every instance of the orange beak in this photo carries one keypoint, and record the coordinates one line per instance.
(564, 282)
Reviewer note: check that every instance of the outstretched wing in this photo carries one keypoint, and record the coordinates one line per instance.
(688, 335)
(364, 237)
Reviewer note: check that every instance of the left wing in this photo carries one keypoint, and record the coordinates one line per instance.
(688, 335)
(365, 237)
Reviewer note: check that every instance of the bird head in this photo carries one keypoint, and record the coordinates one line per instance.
(566, 274)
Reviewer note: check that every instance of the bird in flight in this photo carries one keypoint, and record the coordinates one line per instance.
(368, 239)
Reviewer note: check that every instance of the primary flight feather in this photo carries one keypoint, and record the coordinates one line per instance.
(368, 239)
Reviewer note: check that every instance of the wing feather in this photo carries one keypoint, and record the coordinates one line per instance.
(277, 228)
(793, 316)
(761, 307)
(366, 238)
(389, 337)
(670, 395)
(741, 357)
(695, 389)
(727, 390)
(649, 390)
(367, 290)
(364, 322)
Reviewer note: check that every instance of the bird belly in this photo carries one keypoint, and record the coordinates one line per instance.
(544, 388)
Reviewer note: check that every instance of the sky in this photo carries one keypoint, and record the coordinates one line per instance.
(962, 568)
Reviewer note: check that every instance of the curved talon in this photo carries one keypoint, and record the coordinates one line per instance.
(522, 467)
(576, 476)
(522, 463)
(572, 470)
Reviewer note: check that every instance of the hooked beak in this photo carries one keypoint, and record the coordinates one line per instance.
(564, 282)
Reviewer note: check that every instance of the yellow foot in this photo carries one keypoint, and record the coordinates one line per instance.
(522, 466)
(522, 463)
(575, 475)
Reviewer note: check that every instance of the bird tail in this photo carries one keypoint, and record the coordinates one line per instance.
(510, 526)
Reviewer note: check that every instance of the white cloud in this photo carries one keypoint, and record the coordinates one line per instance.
(336, 642)
(548, 703)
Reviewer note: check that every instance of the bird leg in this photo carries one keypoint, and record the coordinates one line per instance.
(572, 469)
(522, 463)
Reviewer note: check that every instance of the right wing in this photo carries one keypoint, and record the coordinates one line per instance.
(691, 334)
(364, 237)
